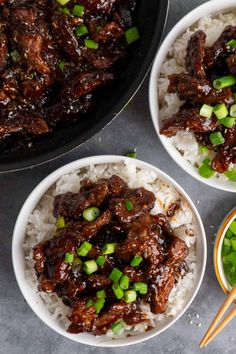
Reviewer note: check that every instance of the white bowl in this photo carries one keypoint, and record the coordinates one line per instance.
(35, 301)
(211, 7)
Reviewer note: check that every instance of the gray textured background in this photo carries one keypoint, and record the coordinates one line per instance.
(22, 332)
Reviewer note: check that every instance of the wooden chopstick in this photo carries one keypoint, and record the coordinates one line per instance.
(230, 298)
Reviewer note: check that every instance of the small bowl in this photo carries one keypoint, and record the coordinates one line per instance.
(218, 264)
(35, 301)
(213, 7)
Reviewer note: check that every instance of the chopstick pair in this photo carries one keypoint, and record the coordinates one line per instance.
(213, 330)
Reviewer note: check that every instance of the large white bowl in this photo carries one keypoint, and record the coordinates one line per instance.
(35, 301)
(211, 7)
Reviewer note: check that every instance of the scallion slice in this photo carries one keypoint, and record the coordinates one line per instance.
(206, 111)
(221, 111)
(60, 223)
(205, 171)
(15, 56)
(101, 261)
(228, 122)
(62, 65)
(101, 294)
(115, 275)
(117, 327)
(99, 304)
(203, 149)
(232, 43)
(224, 81)
(132, 35)
(91, 44)
(227, 242)
(65, 10)
(91, 214)
(63, 2)
(81, 30)
(141, 287)
(130, 296)
(136, 261)
(78, 10)
(132, 154)
(89, 304)
(90, 267)
(109, 248)
(129, 205)
(84, 249)
(232, 227)
(231, 175)
(69, 257)
(119, 293)
(124, 282)
(229, 234)
(233, 110)
(217, 138)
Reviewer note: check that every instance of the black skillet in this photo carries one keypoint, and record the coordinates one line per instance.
(150, 19)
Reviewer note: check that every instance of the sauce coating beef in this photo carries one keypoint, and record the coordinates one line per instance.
(133, 231)
(48, 76)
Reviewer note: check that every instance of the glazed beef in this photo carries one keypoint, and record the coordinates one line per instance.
(195, 55)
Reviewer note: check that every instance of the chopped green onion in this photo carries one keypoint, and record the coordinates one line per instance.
(220, 110)
(129, 205)
(224, 81)
(119, 293)
(115, 275)
(229, 234)
(136, 261)
(90, 44)
(233, 243)
(203, 149)
(232, 227)
(124, 282)
(78, 10)
(101, 260)
(205, 171)
(130, 296)
(63, 2)
(132, 35)
(90, 267)
(206, 111)
(15, 56)
(132, 154)
(228, 122)
(225, 250)
(89, 304)
(60, 223)
(109, 248)
(231, 175)
(99, 304)
(64, 10)
(235, 97)
(231, 257)
(141, 287)
(206, 161)
(233, 110)
(69, 257)
(84, 249)
(101, 294)
(62, 65)
(227, 242)
(232, 43)
(117, 327)
(91, 214)
(81, 31)
(217, 138)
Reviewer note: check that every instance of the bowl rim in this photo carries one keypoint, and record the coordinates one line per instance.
(218, 266)
(209, 8)
(31, 202)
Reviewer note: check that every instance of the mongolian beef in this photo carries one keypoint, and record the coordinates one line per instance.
(207, 90)
(53, 55)
(110, 256)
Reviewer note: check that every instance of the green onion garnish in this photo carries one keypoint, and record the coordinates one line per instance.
(81, 31)
(119, 293)
(91, 214)
(101, 294)
(136, 261)
(115, 275)
(205, 171)
(78, 10)
(206, 111)
(203, 149)
(63, 2)
(233, 243)
(99, 304)
(109, 248)
(141, 287)
(62, 65)
(89, 304)
(232, 43)
(231, 175)
(130, 296)
(224, 81)
(235, 97)
(132, 35)
(84, 249)
(220, 111)
(69, 257)
(124, 282)
(90, 267)
(227, 242)
(217, 138)
(15, 56)
(228, 122)
(206, 161)
(132, 154)
(65, 10)
(101, 261)
(90, 44)
(229, 234)
(233, 110)
(232, 227)
(60, 223)
(117, 327)
(129, 205)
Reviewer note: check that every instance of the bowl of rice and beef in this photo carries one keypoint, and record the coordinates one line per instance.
(109, 251)
(192, 94)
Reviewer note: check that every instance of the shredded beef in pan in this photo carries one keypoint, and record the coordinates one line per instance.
(109, 255)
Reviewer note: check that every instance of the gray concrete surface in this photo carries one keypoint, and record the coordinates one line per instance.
(22, 332)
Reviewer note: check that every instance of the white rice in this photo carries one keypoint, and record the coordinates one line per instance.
(41, 226)
(185, 142)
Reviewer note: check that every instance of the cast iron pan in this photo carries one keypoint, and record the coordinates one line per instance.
(150, 19)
